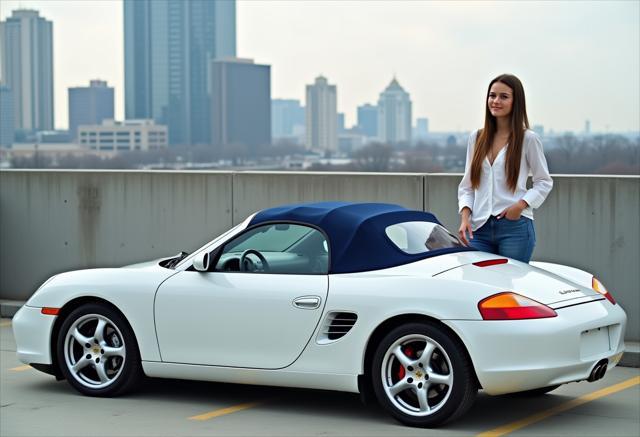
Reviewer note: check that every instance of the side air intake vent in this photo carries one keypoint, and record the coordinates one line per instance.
(336, 325)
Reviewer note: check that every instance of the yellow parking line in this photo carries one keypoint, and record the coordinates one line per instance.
(224, 411)
(514, 426)
(5, 323)
(21, 368)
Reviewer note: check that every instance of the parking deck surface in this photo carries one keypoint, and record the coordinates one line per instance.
(34, 404)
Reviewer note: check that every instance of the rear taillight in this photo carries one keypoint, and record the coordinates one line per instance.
(600, 288)
(512, 306)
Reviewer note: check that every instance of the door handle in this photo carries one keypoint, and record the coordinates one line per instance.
(307, 302)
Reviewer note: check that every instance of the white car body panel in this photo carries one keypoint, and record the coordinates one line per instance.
(130, 289)
(524, 354)
(571, 273)
(523, 279)
(236, 319)
(280, 378)
(241, 327)
(32, 332)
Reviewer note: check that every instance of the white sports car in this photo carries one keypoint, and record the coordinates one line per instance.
(357, 297)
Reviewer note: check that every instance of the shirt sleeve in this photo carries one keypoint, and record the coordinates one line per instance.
(466, 193)
(542, 182)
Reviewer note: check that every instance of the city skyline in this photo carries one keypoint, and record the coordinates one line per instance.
(578, 60)
(168, 46)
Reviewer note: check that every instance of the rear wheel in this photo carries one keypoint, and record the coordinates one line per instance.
(422, 376)
(97, 351)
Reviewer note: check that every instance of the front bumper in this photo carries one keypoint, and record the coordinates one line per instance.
(517, 355)
(32, 331)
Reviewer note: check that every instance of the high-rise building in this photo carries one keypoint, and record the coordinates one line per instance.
(422, 129)
(240, 103)
(322, 116)
(168, 47)
(6, 116)
(286, 115)
(27, 68)
(341, 123)
(89, 105)
(394, 114)
(368, 120)
(587, 127)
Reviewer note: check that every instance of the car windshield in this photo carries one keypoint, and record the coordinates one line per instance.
(275, 238)
(421, 237)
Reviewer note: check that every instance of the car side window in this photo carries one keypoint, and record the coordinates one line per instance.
(280, 248)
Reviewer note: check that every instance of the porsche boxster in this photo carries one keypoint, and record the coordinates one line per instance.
(358, 297)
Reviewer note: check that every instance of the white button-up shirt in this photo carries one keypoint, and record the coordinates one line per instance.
(493, 195)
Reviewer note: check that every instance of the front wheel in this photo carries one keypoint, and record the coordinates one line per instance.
(422, 376)
(97, 351)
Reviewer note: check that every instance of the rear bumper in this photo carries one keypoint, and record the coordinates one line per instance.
(32, 331)
(512, 356)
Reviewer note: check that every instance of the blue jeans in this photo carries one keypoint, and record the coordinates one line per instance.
(511, 238)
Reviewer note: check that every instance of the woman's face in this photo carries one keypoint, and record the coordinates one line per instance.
(500, 100)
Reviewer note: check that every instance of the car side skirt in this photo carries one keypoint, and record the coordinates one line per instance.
(280, 378)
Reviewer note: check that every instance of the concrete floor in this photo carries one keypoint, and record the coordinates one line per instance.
(33, 404)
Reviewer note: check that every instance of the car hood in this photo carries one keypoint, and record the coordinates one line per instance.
(525, 279)
(144, 264)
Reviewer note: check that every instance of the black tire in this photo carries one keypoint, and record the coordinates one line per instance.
(535, 392)
(448, 357)
(111, 365)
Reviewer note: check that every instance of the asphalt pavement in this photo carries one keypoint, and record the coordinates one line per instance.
(34, 404)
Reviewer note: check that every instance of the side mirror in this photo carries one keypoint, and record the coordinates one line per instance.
(201, 261)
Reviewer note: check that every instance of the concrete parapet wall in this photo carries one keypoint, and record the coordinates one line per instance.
(52, 221)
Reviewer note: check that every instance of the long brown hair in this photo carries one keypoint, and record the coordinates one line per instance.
(519, 123)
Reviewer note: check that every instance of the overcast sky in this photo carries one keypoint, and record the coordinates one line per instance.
(578, 60)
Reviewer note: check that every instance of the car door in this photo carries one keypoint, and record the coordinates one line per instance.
(250, 315)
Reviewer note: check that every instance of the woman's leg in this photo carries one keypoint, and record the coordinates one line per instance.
(483, 238)
(516, 238)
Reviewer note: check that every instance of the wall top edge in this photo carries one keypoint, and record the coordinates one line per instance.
(280, 173)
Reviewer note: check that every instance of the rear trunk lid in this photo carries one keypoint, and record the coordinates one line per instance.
(526, 280)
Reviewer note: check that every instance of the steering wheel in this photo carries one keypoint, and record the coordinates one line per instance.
(247, 265)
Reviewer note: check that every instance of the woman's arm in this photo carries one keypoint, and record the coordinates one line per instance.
(466, 195)
(542, 182)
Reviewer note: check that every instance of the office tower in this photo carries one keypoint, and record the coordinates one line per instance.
(341, 128)
(123, 136)
(89, 105)
(240, 103)
(6, 116)
(587, 127)
(368, 120)
(168, 47)
(27, 68)
(322, 116)
(287, 115)
(394, 114)
(422, 128)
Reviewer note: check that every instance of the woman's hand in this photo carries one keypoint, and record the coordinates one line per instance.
(465, 226)
(514, 211)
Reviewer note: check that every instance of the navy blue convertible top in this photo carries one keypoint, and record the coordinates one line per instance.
(356, 232)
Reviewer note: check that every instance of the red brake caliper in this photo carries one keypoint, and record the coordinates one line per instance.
(408, 351)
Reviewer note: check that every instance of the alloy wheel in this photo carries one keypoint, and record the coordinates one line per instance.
(417, 375)
(94, 351)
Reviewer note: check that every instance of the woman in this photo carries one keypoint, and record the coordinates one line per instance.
(495, 205)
